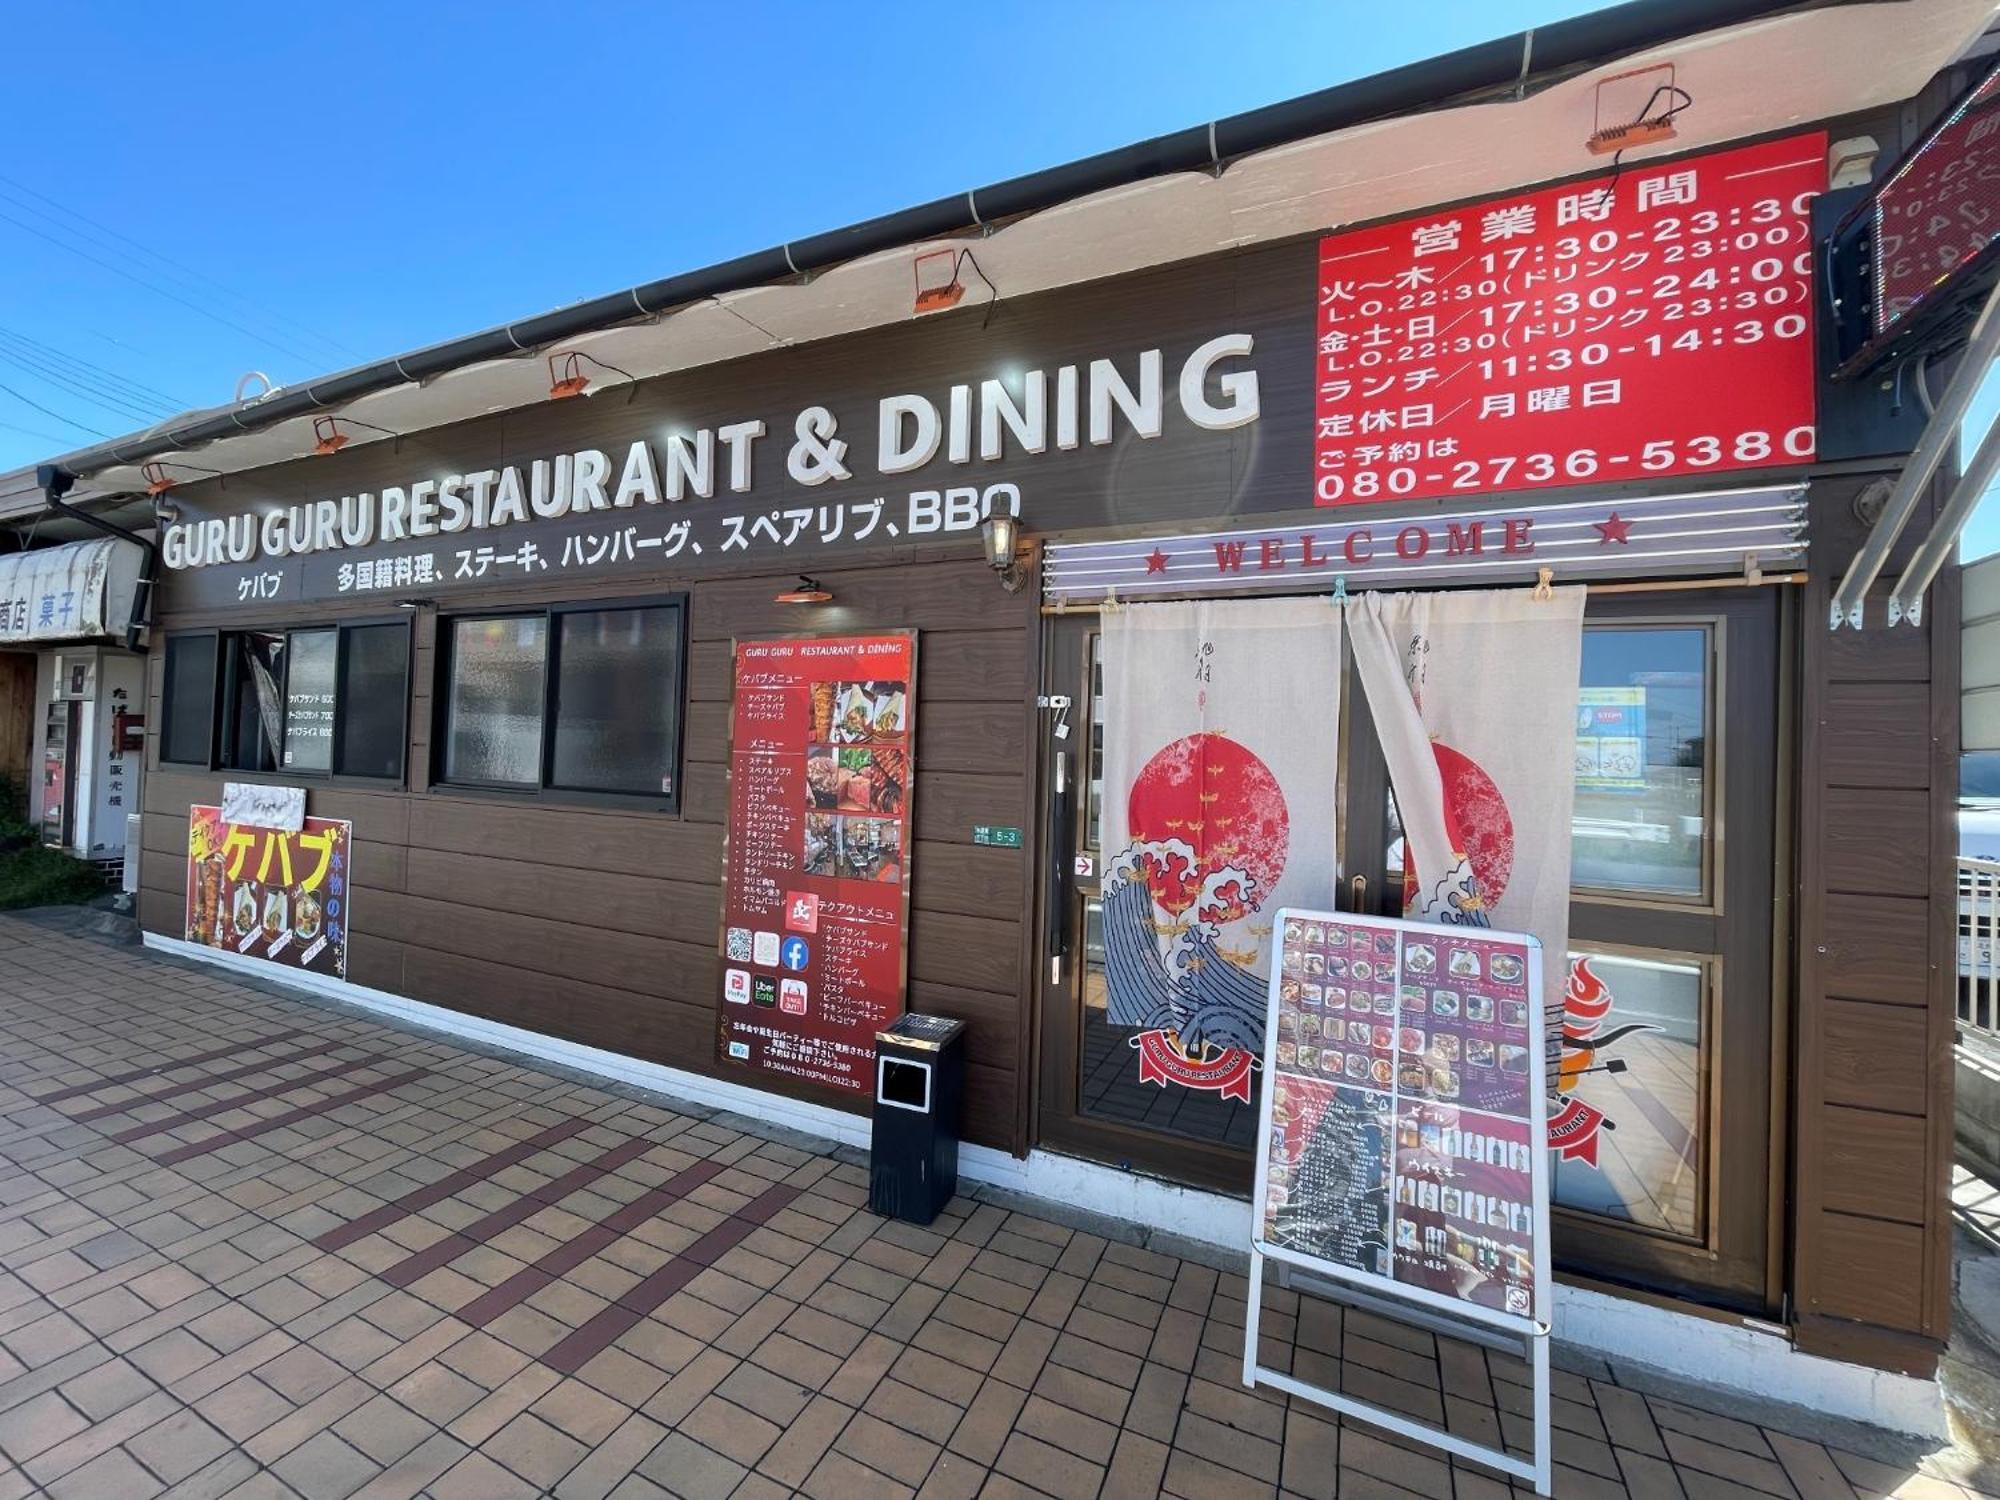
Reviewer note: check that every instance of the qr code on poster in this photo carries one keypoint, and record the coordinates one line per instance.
(739, 945)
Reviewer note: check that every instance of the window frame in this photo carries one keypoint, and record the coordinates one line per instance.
(214, 637)
(544, 791)
(220, 695)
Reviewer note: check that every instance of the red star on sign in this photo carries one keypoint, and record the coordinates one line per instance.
(1156, 562)
(1615, 529)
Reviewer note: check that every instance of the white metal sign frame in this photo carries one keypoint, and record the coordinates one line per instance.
(1531, 1330)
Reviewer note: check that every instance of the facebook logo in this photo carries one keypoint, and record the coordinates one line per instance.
(795, 953)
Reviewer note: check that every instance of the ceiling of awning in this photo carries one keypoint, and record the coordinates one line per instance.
(1755, 79)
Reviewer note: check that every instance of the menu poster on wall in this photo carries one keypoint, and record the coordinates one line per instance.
(1404, 1138)
(268, 893)
(1641, 323)
(815, 882)
(1611, 738)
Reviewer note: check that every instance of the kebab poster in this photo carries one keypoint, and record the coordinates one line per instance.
(815, 889)
(1402, 1102)
(270, 894)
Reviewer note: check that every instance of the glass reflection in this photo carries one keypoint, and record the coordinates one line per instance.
(1642, 748)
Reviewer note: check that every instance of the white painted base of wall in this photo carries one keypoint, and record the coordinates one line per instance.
(1681, 1346)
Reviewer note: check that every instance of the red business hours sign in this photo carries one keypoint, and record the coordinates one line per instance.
(1655, 323)
(820, 777)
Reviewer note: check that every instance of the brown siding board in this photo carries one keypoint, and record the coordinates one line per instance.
(1877, 948)
(1877, 734)
(1867, 1270)
(1875, 1055)
(1876, 653)
(1876, 841)
(976, 737)
(568, 838)
(973, 880)
(616, 900)
(557, 950)
(975, 953)
(1874, 1163)
(1876, 980)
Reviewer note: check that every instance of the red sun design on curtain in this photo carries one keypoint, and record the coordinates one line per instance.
(1209, 832)
(1478, 823)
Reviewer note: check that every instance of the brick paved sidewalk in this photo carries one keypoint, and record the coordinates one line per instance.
(253, 1245)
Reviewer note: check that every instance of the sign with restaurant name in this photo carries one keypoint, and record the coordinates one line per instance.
(815, 886)
(270, 893)
(1697, 532)
(1648, 322)
(803, 482)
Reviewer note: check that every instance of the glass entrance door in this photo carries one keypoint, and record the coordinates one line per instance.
(1665, 1176)
(1664, 1173)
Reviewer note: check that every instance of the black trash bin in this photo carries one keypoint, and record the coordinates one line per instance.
(919, 1095)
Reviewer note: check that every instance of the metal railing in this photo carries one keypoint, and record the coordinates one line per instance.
(1978, 944)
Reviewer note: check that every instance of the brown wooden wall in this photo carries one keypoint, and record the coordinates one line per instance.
(17, 726)
(600, 926)
(1878, 790)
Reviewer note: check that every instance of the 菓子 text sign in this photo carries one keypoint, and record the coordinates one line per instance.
(1651, 322)
(821, 770)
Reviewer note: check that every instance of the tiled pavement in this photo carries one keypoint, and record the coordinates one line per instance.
(252, 1245)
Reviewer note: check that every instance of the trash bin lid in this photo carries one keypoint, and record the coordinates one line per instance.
(928, 1032)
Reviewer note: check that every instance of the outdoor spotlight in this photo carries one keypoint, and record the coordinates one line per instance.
(808, 591)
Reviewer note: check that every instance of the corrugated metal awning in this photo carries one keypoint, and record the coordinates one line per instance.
(78, 591)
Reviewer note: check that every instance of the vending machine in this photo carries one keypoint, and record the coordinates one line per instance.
(60, 738)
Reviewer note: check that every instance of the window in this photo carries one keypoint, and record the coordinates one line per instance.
(1642, 761)
(313, 702)
(188, 700)
(582, 699)
(1633, 1091)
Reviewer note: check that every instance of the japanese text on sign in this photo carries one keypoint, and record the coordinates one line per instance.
(1402, 1112)
(1651, 323)
(270, 893)
(814, 892)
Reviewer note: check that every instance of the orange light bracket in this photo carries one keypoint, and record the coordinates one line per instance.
(1634, 103)
(933, 294)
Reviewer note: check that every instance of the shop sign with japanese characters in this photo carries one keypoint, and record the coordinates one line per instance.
(268, 893)
(1649, 322)
(815, 895)
(869, 470)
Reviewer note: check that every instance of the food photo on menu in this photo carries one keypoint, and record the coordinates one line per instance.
(859, 713)
(849, 778)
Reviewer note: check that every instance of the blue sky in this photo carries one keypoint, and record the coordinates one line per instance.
(294, 189)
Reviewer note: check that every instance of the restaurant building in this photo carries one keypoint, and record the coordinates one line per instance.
(526, 614)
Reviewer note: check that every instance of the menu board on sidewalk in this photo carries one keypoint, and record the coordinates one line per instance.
(1404, 1136)
(1645, 322)
(815, 884)
(269, 893)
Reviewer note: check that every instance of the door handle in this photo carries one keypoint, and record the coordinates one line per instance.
(1062, 838)
(1357, 895)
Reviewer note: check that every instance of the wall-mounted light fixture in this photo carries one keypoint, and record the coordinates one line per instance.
(1651, 122)
(939, 287)
(1001, 533)
(328, 439)
(159, 481)
(566, 377)
(808, 591)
